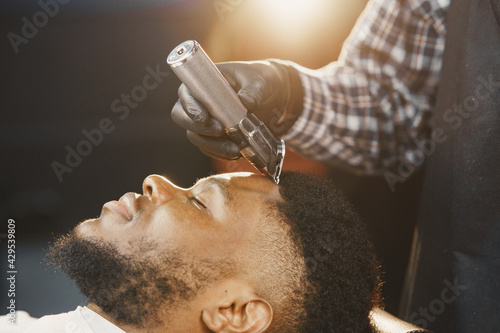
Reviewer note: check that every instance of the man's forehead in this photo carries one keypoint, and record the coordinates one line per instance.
(247, 181)
(234, 175)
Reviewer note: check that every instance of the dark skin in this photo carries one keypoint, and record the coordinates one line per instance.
(219, 217)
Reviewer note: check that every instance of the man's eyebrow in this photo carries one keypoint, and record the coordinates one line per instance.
(220, 185)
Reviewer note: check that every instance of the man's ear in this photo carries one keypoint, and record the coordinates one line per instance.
(245, 316)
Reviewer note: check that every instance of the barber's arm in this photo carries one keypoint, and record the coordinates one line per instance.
(362, 112)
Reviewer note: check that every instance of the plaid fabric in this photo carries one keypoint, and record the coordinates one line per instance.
(369, 109)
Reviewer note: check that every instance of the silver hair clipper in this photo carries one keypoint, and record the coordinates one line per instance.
(205, 82)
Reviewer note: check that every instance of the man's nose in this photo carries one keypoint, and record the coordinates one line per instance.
(159, 189)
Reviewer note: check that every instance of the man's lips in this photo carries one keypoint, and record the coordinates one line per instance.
(125, 206)
(128, 200)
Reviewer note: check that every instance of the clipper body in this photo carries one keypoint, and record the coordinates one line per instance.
(206, 83)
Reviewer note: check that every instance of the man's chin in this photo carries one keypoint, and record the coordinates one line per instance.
(130, 290)
(86, 228)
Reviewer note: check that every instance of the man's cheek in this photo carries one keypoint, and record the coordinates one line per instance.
(167, 226)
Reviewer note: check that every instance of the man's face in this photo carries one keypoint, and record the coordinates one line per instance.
(217, 217)
(147, 254)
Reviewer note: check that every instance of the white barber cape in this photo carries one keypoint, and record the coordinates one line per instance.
(81, 320)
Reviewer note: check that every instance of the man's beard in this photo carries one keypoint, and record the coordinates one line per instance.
(136, 289)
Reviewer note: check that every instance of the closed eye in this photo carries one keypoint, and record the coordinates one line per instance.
(197, 203)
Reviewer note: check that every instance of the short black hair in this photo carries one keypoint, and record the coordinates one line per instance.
(342, 279)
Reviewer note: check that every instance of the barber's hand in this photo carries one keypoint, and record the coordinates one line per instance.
(269, 89)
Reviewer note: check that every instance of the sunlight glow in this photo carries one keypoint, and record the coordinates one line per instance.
(292, 16)
(290, 9)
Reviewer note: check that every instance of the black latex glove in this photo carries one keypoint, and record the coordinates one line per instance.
(270, 89)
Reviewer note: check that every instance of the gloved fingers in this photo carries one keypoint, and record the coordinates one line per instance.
(211, 127)
(245, 80)
(229, 70)
(192, 107)
(251, 94)
(217, 157)
(220, 148)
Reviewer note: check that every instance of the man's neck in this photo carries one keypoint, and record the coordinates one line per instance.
(179, 325)
(126, 328)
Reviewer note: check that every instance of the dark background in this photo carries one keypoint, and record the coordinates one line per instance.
(64, 79)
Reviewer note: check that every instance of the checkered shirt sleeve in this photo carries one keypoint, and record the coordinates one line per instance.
(371, 107)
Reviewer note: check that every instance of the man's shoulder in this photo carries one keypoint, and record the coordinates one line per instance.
(71, 321)
(16, 322)
(81, 320)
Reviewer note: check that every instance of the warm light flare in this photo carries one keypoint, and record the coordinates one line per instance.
(309, 32)
(291, 10)
(293, 18)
